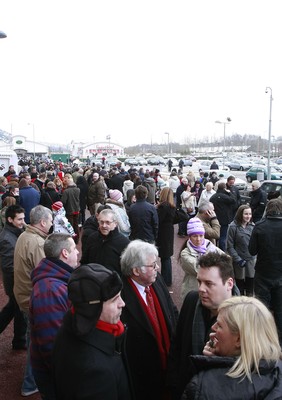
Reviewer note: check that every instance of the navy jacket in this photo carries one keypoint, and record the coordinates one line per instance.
(144, 222)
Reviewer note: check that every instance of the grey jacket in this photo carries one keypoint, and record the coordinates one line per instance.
(238, 239)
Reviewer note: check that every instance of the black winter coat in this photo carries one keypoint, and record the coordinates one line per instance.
(48, 197)
(90, 226)
(258, 203)
(165, 237)
(89, 367)
(223, 206)
(141, 345)
(192, 333)
(211, 382)
(82, 185)
(105, 250)
(265, 242)
(168, 216)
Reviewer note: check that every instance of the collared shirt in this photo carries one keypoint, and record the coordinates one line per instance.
(141, 290)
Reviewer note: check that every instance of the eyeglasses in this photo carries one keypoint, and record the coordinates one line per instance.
(154, 265)
(105, 222)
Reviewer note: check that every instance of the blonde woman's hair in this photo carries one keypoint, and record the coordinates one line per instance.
(258, 334)
(166, 196)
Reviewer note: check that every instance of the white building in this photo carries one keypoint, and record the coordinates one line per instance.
(23, 146)
(98, 148)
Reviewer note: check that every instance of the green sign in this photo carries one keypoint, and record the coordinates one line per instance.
(19, 142)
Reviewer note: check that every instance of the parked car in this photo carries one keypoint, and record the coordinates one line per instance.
(239, 165)
(97, 160)
(156, 160)
(240, 183)
(175, 162)
(141, 161)
(269, 186)
(113, 162)
(252, 173)
(205, 165)
(187, 162)
(130, 161)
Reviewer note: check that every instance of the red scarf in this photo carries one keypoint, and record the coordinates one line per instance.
(162, 335)
(113, 329)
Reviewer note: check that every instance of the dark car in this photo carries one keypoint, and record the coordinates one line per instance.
(271, 187)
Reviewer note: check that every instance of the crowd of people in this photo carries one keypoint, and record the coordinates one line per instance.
(92, 304)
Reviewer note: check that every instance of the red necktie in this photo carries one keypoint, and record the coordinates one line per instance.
(151, 306)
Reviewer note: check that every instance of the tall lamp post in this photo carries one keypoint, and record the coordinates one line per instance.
(33, 138)
(167, 133)
(228, 120)
(268, 89)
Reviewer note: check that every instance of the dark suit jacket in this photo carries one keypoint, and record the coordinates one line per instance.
(141, 345)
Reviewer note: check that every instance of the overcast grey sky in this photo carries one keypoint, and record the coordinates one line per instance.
(82, 70)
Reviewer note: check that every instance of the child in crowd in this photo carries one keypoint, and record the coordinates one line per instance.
(61, 224)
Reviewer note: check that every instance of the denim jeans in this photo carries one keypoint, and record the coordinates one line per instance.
(222, 238)
(28, 384)
(269, 291)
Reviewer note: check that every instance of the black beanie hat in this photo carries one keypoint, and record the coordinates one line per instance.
(89, 286)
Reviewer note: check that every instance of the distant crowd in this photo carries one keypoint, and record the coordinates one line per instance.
(80, 249)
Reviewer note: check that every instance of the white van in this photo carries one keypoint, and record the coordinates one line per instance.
(7, 158)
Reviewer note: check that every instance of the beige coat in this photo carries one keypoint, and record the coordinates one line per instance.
(28, 253)
(189, 259)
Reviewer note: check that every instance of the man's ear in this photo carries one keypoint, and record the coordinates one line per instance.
(136, 271)
(230, 283)
(65, 253)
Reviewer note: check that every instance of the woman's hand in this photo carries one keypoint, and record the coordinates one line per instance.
(210, 347)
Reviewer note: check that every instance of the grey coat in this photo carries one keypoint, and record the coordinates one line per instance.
(237, 247)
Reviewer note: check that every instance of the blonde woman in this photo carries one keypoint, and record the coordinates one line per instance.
(242, 359)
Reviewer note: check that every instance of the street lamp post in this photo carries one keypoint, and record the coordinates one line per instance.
(167, 133)
(228, 120)
(33, 138)
(269, 133)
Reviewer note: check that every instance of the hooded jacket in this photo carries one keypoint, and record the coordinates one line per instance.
(127, 185)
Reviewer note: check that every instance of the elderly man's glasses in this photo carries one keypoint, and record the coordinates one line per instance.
(154, 265)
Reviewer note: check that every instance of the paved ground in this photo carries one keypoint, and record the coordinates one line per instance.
(12, 362)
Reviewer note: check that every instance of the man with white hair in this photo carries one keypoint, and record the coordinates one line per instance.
(206, 194)
(258, 201)
(150, 316)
